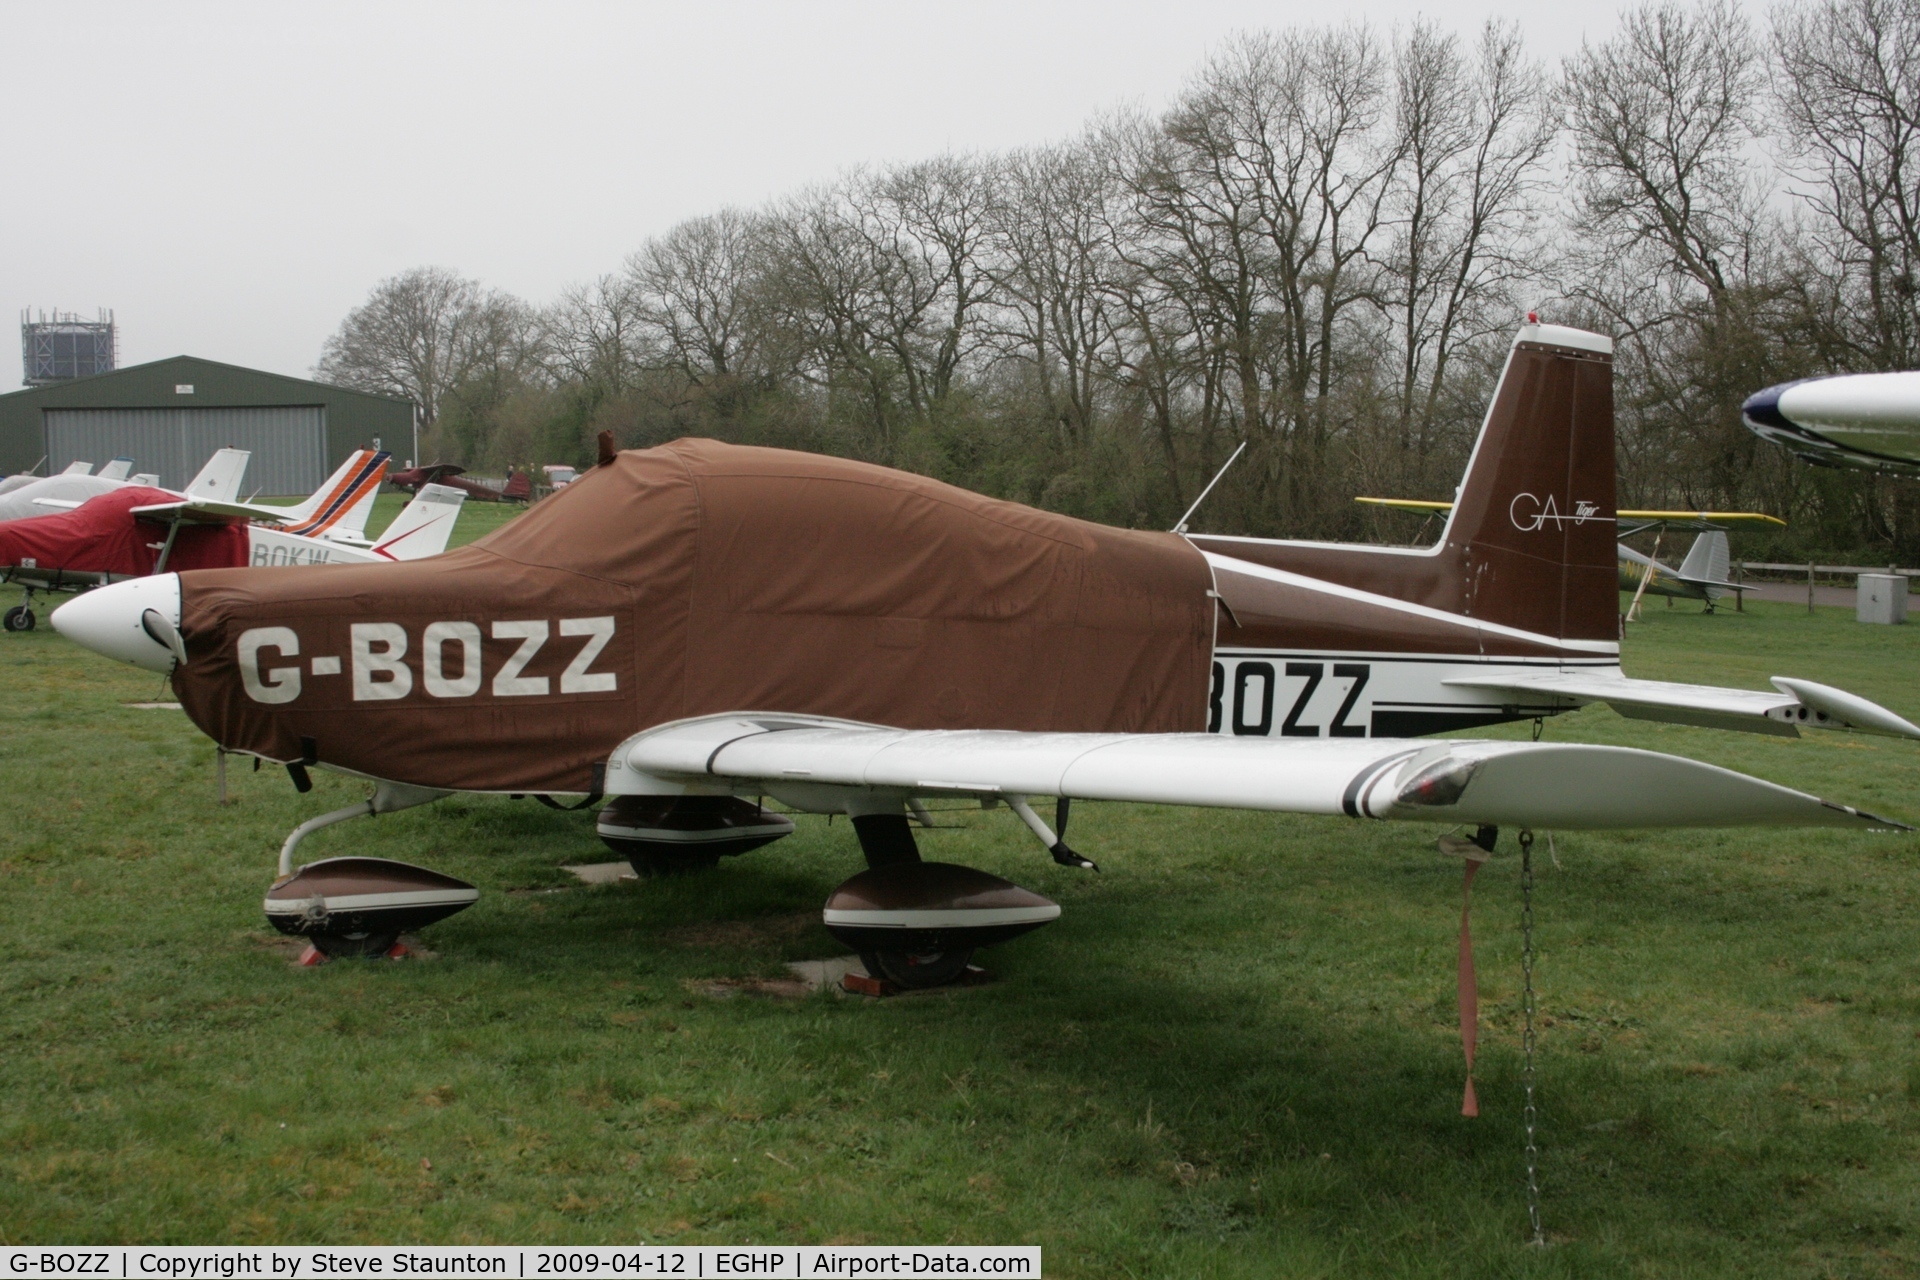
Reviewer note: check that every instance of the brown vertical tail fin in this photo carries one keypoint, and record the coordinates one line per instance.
(1533, 524)
(1530, 542)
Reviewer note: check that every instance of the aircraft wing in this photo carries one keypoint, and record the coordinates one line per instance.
(815, 761)
(1407, 504)
(58, 504)
(1702, 520)
(1798, 704)
(201, 511)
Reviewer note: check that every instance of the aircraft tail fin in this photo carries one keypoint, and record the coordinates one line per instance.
(423, 525)
(1530, 540)
(118, 469)
(78, 469)
(1534, 519)
(220, 478)
(1708, 559)
(340, 507)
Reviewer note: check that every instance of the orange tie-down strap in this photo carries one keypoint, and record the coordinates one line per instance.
(1469, 988)
(1472, 853)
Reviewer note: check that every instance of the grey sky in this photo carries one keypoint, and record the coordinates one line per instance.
(232, 179)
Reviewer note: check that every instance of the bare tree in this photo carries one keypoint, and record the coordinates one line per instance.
(422, 333)
(1662, 116)
(1056, 269)
(1849, 102)
(694, 285)
(597, 336)
(1474, 131)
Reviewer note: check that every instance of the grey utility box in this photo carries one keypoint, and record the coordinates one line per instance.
(1883, 598)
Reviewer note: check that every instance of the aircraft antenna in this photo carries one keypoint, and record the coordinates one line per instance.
(1182, 526)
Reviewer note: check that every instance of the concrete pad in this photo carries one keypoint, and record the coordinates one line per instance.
(826, 973)
(603, 872)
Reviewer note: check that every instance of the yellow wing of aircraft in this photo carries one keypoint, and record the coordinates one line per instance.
(1676, 519)
(1701, 576)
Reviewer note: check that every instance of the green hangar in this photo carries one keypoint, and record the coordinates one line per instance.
(169, 416)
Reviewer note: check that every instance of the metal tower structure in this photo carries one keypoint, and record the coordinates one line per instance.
(63, 347)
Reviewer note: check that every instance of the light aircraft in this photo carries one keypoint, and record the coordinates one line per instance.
(337, 511)
(219, 478)
(115, 470)
(1865, 421)
(515, 488)
(687, 629)
(1702, 575)
(137, 531)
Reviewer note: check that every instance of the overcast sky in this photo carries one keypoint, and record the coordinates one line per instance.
(232, 180)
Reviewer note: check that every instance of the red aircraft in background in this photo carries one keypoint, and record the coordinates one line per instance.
(516, 488)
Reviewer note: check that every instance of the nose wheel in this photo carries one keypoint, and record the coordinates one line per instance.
(20, 618)
(914, 971)
(341, 946)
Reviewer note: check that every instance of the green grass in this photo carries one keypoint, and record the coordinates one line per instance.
(1234, 1056)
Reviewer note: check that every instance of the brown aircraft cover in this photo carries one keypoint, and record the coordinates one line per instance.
(736, 579)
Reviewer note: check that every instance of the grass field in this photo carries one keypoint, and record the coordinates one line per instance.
(1234, 1056)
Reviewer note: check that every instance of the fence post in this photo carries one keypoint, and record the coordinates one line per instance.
(1809, 588)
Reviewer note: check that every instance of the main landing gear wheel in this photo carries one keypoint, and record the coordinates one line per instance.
(912, 972)
(342, 946)
(20, 618)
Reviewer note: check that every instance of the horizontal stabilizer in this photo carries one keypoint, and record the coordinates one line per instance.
(57, 504)
(195, 511)
(811, 763)
(1645, 519)
(1784, 713)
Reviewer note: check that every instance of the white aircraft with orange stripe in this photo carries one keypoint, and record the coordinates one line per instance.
(337, 511)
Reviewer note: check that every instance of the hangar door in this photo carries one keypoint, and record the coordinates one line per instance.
(288, 443)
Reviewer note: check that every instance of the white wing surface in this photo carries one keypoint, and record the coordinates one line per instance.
(1799, 704)
(841, 766)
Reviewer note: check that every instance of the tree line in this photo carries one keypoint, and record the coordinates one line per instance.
(1321, 247)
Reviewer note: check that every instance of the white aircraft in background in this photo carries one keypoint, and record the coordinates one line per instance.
(102, 545)
(337, 510)
(1864, 421)
(115, 470)
(24, 497)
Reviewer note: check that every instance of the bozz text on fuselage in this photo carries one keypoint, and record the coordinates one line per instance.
(451, 660)
(1248, 706)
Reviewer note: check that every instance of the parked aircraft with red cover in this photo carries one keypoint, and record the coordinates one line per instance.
(136, 531)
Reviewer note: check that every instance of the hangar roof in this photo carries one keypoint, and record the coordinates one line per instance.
(215, 385)
(353, 417)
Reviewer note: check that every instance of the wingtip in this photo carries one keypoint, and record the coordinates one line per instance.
(1873, 820)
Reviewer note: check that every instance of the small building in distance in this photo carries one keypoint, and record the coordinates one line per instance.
(169, 416)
